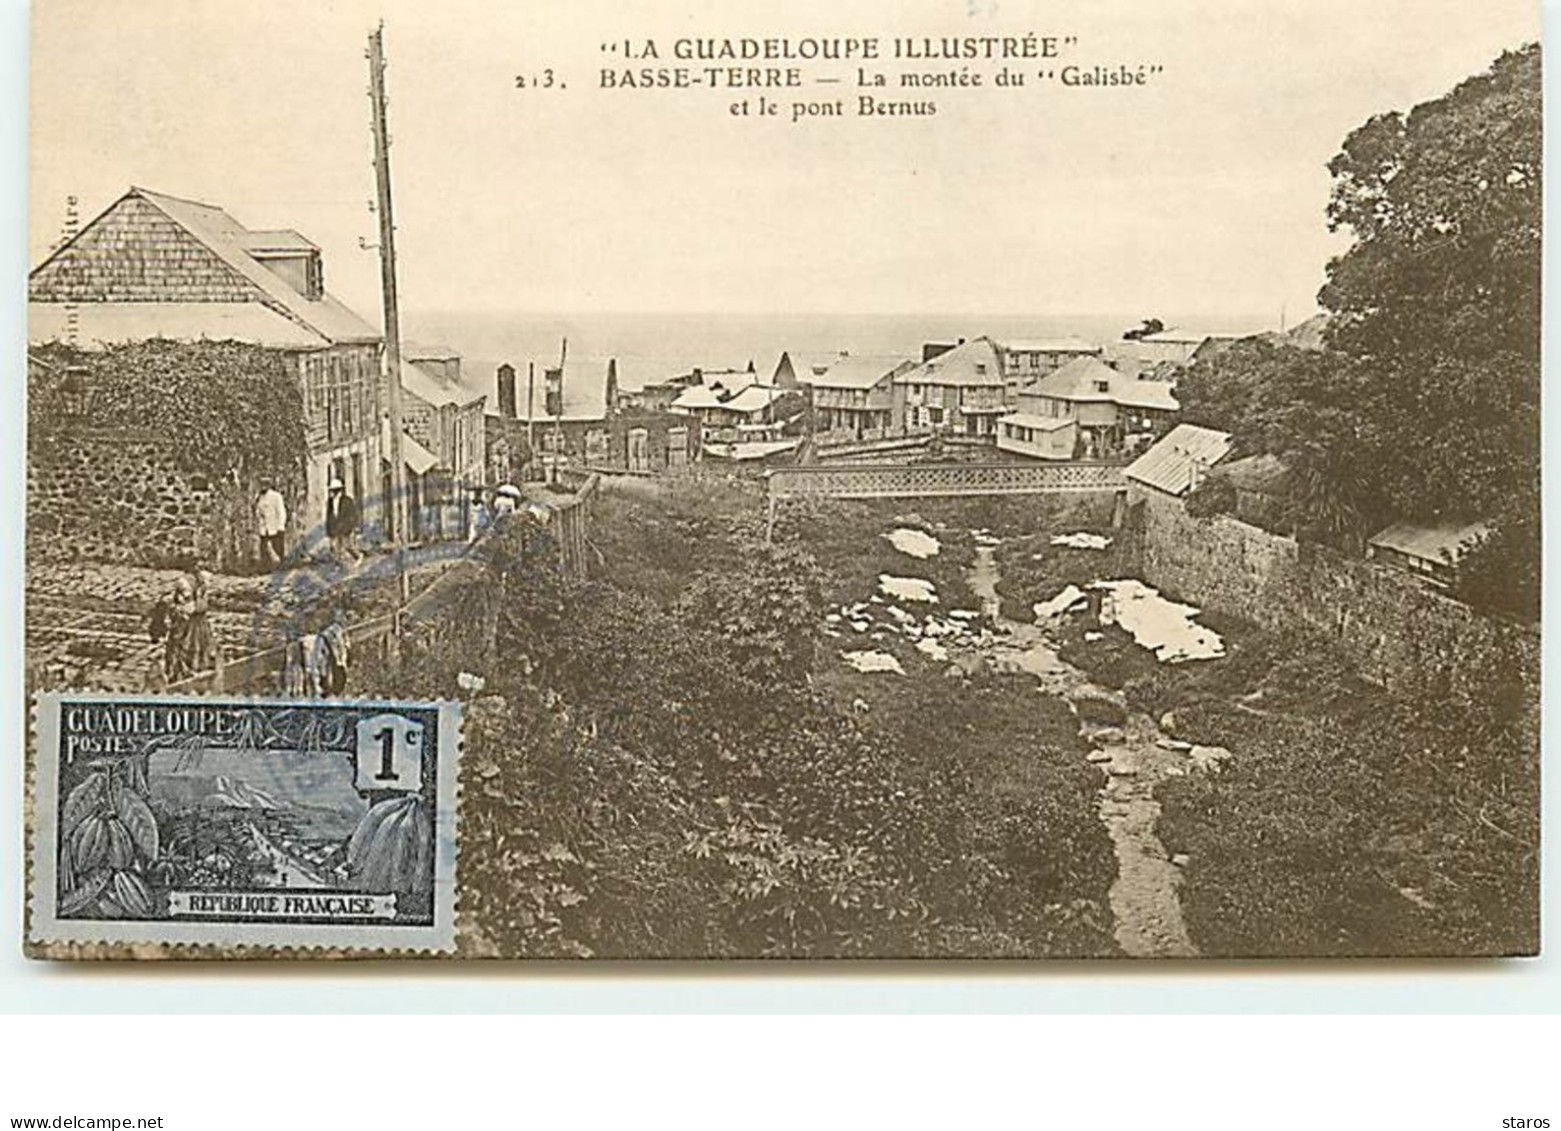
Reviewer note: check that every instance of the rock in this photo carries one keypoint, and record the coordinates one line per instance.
(954, 671)
(1172, 744)
(1096, 707)
(1180, 859)
(1124, 771)
(1208, 758)
(1168, 722)
(1098, 756)
(1108, 736)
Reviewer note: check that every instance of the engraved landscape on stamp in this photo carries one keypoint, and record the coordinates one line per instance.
(957, 480)
(201, 820)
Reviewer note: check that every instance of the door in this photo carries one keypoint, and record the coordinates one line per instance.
(639, 453)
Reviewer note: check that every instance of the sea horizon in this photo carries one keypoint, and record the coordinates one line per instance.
(649, 345)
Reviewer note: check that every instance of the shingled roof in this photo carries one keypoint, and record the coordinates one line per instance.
(149, 247)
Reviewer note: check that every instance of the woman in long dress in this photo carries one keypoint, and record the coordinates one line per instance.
(182, 622)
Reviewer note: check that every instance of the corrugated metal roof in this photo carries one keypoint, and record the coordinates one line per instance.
(1187, 450)
(100, 324)
(1444, 543)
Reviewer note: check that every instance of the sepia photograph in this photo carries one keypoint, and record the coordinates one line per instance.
(956, 479)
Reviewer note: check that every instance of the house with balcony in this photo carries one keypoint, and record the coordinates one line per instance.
(155, 267)
(959, 392)
(853, 398)
(1105, 407)
(1026, 360)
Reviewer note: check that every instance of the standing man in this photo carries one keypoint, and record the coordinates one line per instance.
(271, 521)
(341, 522)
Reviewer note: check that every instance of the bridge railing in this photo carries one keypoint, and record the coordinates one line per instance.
(890, 481)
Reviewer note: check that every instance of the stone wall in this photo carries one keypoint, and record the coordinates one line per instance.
(1398, 630)
(121, 497)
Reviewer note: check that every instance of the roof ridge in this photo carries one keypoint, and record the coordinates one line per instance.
(142, 190)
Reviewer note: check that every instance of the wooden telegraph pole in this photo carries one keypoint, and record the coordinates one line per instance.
(533, 457)
(387, 271)
(558, 418)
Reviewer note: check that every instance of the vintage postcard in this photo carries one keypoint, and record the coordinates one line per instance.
(937, 479)
(245, 823)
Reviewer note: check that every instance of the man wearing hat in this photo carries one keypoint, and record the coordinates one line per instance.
(341, 521)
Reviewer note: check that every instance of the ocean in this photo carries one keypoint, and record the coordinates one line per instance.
(652, 346)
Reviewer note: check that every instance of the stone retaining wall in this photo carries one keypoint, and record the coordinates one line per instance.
(123, 498)
(1399, 631)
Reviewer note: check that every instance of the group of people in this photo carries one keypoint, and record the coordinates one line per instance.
(181, 621)
(342, 522)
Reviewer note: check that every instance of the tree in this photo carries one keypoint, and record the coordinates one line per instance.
(1439, 298)
(1143, 330)
(1306, 407)
(1426, 403)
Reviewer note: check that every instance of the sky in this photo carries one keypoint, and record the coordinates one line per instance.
(1203, 192)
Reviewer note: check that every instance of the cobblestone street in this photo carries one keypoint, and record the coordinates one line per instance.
(87, 621)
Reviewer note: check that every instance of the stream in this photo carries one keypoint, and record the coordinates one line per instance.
(1134, 758)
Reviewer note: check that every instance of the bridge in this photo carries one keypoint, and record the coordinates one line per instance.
(940, 480)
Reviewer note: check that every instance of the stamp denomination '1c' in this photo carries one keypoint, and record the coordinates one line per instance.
(205, 821)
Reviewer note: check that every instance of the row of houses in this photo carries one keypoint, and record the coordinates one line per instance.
(1052, 399)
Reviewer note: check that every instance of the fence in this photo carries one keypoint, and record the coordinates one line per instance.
(263, 670)
(891, 481)
(939, 480)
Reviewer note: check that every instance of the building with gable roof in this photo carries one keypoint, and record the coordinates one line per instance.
(1104, 406)
(854, 396)
(445, 419)
(154, 266)
(959, 391)
(1029, 359)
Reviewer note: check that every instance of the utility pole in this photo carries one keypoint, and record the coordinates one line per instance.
(397, 510)
(533, 457)
(558, 419)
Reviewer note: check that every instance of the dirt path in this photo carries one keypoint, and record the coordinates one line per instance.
(1134, 757)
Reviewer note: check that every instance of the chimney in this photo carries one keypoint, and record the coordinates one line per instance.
(507, 391)
(610, 394)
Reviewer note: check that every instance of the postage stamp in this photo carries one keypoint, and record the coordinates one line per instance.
(245, 822)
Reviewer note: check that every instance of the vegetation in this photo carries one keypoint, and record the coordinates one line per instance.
(665, 766)
(1348, 821)
(1426, 404)
(219, 406)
